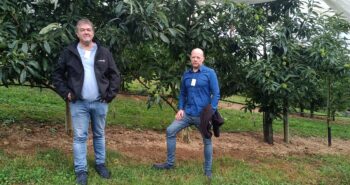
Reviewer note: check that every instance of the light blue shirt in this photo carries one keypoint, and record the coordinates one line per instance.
(198, 89)
(90, 89)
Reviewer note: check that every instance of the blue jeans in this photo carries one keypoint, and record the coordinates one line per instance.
(82, 112)
(175, 127)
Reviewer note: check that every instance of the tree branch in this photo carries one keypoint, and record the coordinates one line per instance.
(161, 96)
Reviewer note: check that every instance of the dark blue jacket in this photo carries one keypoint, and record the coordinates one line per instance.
(68, 75)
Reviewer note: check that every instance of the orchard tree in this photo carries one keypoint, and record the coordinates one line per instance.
(277, 76)
(33, 33)
(330, 57)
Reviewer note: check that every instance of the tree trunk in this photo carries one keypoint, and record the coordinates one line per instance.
(285, 121)
(68, 121)
(333, 115)
(329, 112)
(301, 110)
(267, 127)
(312, 109)
(267, 121)
(185, 134)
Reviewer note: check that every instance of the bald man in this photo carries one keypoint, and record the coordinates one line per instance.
(199, 88)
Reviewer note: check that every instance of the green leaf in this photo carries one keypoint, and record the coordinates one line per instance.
(21, 62)
(148, 32)
(3, 45)
(149, 9)
(25, 47)
(45, 64)
(172, 32)
(47, 47)
(33, 72)
(64, 37)
(164, 38)
(14, 66)
(163, 18)
(33, 46)
(23, 76)
(50, 27)
(13, 45)
(35, 64)
(181, 27)
(119, 8)
(139, 6)
(131, 4)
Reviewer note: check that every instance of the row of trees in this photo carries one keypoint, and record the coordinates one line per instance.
(280, 55)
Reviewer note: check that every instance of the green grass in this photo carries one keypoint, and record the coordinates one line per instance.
(236, 98)
(133, 113)
(54, 167)
(22, 104)
(237, 121)
(44, 106)
(19, 103)
(306, 127)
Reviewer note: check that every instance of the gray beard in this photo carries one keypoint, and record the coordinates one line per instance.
(86, 43)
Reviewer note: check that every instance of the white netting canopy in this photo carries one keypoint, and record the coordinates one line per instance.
(339, 6)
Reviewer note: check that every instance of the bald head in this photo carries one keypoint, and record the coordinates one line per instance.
(197, 58)
(198, 51)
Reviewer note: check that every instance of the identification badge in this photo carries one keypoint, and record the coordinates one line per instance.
(193, 82)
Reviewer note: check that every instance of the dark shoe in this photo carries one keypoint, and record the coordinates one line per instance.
(208, 175)
(162, 166)
(103, 171)
(82, 177)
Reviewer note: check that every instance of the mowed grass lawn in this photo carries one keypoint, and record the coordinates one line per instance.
(52, 166)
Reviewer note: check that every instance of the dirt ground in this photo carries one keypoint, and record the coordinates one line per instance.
(150, 146)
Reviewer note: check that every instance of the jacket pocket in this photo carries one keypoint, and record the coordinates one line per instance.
(101, 65)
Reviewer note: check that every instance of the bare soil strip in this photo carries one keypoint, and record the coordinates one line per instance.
(150, 146)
